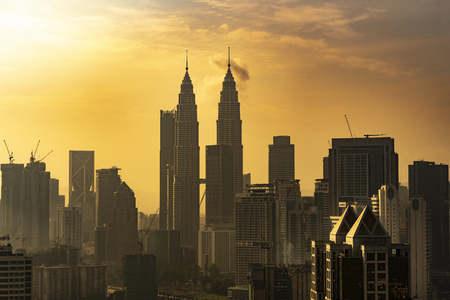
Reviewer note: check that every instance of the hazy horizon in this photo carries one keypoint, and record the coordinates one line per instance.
(83, 75)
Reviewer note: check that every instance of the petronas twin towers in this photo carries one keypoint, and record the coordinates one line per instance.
(179, 163)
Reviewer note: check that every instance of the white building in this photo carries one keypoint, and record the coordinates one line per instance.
(389, 211)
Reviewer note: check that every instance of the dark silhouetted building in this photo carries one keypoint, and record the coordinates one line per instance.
(122, 236)
(186, 214)
(9, 204)
(358, 167)
(220, 195)
(139, 277)
(229, 126)
(420, 238)
(359, 261)
(72, 227)
(81, 189)
(15, 275)
(34, 207)
(108, 181)
(281, 159)
(166, 156)
(430, 181)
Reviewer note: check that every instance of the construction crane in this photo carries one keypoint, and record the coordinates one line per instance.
(45, 156)
(11, 157)
(140, 241)
(369, 135)
(14, 234)
(348, 124)
(33, 155)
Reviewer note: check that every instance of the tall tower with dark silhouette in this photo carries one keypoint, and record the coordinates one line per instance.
(224, 160)
(187, 171)
(229, 125)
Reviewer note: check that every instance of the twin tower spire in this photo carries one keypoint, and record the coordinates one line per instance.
(180, 155)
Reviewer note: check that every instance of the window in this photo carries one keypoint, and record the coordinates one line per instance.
(370, 256)
(371, 277)
(370, 267)
(381, 286)
(381, 256)
(381, 267)
(381, 276)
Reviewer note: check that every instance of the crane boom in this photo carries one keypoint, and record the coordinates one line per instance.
(351, 135)
(11, 157)
(140, 241)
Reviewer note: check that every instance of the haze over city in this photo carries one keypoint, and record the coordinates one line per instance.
(83, 75)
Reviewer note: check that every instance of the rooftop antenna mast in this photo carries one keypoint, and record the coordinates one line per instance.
(186, 60)
(351, 135)
(229, 65)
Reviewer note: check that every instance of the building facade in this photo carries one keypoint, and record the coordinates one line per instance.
(217, 245)
(9, 206)
(122, 236)
(72, 227)
(281, 159)
(139, 277)
(358, 167)
(15, 275)
(81, 189)
(186, 214)
(229, 125)
(166, 155)
(420, 236)
(33, 230)
(108, 181)
(430, 181)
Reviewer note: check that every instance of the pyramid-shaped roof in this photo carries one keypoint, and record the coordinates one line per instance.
(345, 222)
(367, 225)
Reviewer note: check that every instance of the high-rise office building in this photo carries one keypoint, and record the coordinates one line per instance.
(359, 261)
(81, 189)
(108, 181)
(322, 201)
(167, 143)
(123, 224)
(56, 205)
(186, 214)
(281, 159)
(139, 277)
(430, 181)
(72, 227)
(220, 195)
(358, 167)
(420, 238)
(229, 125)
(217, 245)
(389, 210)
(9, 204)
(15, 274)
(255, 228)
(224, 171)
(34, 207)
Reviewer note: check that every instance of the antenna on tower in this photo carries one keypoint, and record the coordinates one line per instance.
(186, 60)
(229, 65)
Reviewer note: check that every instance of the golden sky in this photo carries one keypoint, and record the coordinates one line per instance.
(93, 75)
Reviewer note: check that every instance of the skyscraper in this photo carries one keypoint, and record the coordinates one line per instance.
(281, 159)
(167, 143)
(229, 125)
(186, 160)
(358, 167)
(219, 205)
(81, 188)
(108, 181)
(430, 181)
(9, 205)
(123, 224)
(420, 238)
(34, 206)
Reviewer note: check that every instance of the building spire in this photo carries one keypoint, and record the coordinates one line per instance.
(229, 65)
(186, 60)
